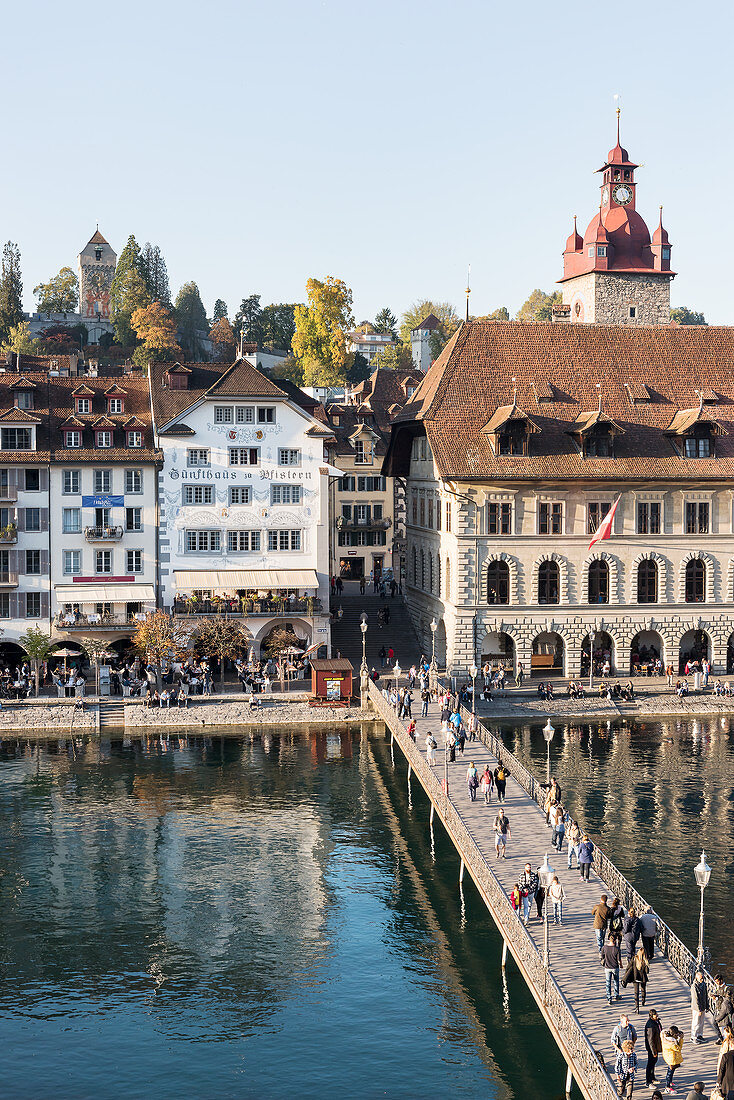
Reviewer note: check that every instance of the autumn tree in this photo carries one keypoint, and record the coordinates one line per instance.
(223, 341)
(59, 295)
(19, 340)
(320, 341)
(159, 639)
(220, 310)
(129, 292)
(11, 290)
(538, 306)
(62, 339)
(397, 358)
(289, 368)
(277, 324)
(444, 312)
(155, 327)
(37, 644)
(247, 320)
(191, 320)
(225, 638)
(155, 274)
(682, 315)
(386, 322)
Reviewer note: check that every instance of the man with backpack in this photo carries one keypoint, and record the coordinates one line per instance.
(501, 833)
(528, 889)
(500, 782)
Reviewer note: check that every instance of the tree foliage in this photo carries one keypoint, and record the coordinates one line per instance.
(320, 341)
(96, 651)
(386, 322)
(155, 327)
(62, 339)
(223, 637)
(278, 325)
(19, 340)
(223, 341)
(538, 306)
(358, 369)
(59, 295)
(502, 313)
(443, 311)
(37, 644)
(247, 320)
(289, 368)
(155, 274)
(220, 311)
(11, 290)
(159, 638)
(129, 292)
(682, 315)
(398, 358)
(191, 320)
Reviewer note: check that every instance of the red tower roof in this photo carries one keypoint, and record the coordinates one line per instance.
(660, 236)
(575, 242)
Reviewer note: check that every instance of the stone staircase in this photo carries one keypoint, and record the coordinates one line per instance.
(111, 714)
(346, 637)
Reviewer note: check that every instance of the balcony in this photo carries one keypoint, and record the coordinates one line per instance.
(8, 494)
(8, 580)
(96, 622)
(232, 608)
(103, 534)
(8, 535)
(344, 524)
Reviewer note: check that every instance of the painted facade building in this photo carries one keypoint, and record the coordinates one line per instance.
(243, 496)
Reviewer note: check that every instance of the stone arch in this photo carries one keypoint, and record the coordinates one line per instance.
(709, 563)
(615, 576)
(662, 564)
(514, 572)
(499, 646)
(562, 564)
(300, 627)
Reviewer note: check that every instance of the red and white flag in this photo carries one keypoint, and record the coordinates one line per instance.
(604, 530)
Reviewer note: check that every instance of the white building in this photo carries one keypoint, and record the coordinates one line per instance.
(368, 343)
(420, 342)
(244, 500)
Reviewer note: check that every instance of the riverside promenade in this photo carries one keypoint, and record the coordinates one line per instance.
(571, 994)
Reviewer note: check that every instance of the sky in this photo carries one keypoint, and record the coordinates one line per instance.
(389, 144)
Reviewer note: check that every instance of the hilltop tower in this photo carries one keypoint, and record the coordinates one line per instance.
(96, 267)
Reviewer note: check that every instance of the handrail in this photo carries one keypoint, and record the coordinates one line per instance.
(581, 1053)
(671, 946)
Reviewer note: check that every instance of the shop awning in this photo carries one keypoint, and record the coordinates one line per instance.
(105, 593)
(229, 580)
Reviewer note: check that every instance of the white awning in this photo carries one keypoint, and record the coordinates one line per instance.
(105, 593)
(229, 580)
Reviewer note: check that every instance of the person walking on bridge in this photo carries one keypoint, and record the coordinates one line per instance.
(574, 839)
(623, 1030)
(699, 1006)
(586, 856)
(611, 960)
(625, 1068)
(485, 785)
(653, 1045)
(528, 890)
(638, 971)
(500, 782)
(472, 779)
(672, 1041)
(431, 749)
(723, 1009)
(601, 914)
(697, 1092)
(649, 930)
(501, 834)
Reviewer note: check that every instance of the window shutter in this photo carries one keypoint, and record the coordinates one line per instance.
(13, 560)
(43, 479)
(20, 519)
(45, 600)
(44, 519)
(44, 562)
(13, 477)
(13, 603)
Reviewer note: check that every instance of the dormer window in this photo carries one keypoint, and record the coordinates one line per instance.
(512, 440)
(24, 399)
(601, 250)
(103, 439)
(599, 443)
(83, 404)
(699, 444)
(115, 405)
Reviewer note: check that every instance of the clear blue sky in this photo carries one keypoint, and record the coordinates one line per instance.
(388, 143)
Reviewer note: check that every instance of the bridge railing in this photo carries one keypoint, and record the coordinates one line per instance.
(669, 945)
(588, 1069)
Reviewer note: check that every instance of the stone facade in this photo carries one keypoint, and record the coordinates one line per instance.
(607, 297)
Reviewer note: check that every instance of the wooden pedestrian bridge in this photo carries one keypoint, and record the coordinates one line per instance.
(570, 992)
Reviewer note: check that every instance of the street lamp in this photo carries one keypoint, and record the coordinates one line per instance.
(363, 628)
(548, 732)
(434, 667)
(545, 874)
(473, 673)
(702, 871)
(397, 670)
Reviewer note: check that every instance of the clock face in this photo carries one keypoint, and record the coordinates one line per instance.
(605, 196)
(622, 194)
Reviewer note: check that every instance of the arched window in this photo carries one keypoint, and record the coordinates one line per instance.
(548, 582)
(598, 582)
(498, 582)
(695, 581)
(448, 578)
(647, 581)
(423, 569)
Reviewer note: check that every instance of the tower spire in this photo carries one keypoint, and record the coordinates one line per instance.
(468, 291)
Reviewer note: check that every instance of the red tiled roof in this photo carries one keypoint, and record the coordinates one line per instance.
(240, 380)
(473, 375)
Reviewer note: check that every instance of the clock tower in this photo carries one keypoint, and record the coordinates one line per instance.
(616, 274)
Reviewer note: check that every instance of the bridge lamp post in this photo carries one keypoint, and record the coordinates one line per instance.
(363, 670)
(433, 678)
(473, 673)
(545, 874)
(702, 872)
(548, 732)
(397, 670)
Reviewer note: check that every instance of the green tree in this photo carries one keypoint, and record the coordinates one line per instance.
(19, 340)
(500, 314)
(278, 325)
(443, 311)
(320, 341)
(129, 292)
(11, 290)
(220, 310)
(191, 320)
(682, 315)
(386, 322)
(155, 273)
(96, 651)
(223, 637)
(247, 320)
(59, 295)
(222, 337)
(155, 326)
(359, 368)
(289, 368)
(538, 306)
(37, 645)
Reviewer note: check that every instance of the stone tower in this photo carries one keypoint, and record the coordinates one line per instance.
(615, 274)
(96, 265)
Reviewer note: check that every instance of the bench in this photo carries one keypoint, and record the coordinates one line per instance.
(542, 660)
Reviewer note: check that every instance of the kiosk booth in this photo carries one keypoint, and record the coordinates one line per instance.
(331, 680)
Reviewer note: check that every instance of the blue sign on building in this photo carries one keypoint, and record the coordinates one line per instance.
(103, 500)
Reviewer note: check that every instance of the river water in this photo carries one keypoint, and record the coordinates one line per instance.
(258, 918)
